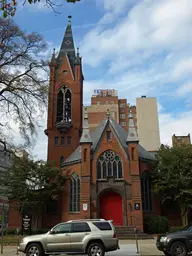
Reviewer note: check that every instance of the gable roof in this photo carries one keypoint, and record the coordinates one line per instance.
(96, 136)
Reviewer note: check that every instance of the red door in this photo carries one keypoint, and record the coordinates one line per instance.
(111, 207)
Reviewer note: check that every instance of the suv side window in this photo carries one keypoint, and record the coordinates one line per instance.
(103, 225)
(80, 227)
(63, 228)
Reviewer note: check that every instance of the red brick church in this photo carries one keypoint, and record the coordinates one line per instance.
(103, 168)
(107, 171)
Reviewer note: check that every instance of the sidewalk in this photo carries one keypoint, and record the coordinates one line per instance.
(127, 248)
(146, 247)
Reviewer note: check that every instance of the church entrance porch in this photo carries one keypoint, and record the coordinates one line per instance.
(111, 207)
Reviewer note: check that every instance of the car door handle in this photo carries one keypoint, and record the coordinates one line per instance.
(67, 235)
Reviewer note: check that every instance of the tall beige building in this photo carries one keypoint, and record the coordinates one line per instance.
(148, 123)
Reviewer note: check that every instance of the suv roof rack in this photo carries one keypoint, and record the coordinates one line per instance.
(86, 220)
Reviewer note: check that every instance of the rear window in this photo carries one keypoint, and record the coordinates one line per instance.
(80, 227)
(103, 225)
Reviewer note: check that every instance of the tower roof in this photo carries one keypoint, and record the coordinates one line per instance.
(67, 45)
(132, 134)
(96, 136)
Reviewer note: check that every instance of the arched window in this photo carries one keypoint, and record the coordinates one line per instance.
(61, 161)
(85, 154)
(64, 106)
(74, 193)
(146, 190)
(109, 164)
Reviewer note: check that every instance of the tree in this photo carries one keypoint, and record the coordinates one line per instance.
(33, 184)
(23, 80)
(173, 176)
(9, 7)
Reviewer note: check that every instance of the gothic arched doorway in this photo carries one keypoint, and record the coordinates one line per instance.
(111, 207)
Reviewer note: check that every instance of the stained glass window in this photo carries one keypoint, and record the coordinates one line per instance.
(146, 190)
(109, 164)
(74, 194)
(64, 105)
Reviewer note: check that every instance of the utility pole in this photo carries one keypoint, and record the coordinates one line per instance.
(2, 227)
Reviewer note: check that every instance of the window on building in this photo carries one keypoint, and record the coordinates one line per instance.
(56, 140)
(80, 227)
(74, 194)
(133, 153)
(123, 123)
(122, 105)
(109, 136)
(122, 115)
(69, 140)
(109, 164)
(62, 160)
(106, 102)
(64, 105)
(146, 190)
(112, 102)
(85, 154)
(62, 140)
(98, 102)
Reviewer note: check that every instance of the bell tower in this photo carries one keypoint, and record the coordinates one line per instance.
(64, 122)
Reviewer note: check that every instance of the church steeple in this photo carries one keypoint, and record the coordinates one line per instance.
(67, 45)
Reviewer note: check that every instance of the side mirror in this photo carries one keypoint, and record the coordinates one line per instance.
(52, 232)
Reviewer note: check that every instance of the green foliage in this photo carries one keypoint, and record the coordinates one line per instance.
(173, 175)
(156, 224)
(33, 183)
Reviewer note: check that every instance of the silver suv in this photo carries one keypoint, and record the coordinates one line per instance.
(93, 237)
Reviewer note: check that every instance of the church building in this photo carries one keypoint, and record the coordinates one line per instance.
(106, 169)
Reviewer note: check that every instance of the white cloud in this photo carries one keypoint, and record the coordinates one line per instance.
(182, 68)
(179, 124)
(184, 89)
(147, 26)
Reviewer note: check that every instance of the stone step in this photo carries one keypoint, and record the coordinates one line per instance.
(128, 232)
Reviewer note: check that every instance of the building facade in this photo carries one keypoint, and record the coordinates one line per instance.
(107, 100)
(105, 166)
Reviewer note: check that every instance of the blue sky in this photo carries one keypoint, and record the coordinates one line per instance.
(139, 47)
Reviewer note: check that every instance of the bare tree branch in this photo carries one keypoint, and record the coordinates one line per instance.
(23, 80)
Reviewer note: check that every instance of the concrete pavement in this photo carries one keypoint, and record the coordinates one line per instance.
(127, 248)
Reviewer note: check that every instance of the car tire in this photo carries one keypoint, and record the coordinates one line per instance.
(34, 249)
(96, 249)
(166, 253)
(178, 249)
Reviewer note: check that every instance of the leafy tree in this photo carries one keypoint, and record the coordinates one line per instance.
(173, 176)
(9, 7)
(33, 184)
(23, 80)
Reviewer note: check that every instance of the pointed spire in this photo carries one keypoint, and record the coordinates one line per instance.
(132, 134)
(67, 45)
(86, 137)
(78, 58)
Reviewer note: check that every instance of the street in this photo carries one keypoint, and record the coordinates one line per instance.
(127, 248)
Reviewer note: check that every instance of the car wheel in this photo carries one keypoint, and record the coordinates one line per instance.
(178, 249)
(34, 250)
(96, 249)
(166, 253)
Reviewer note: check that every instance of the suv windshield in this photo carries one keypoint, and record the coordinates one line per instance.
(187, 228)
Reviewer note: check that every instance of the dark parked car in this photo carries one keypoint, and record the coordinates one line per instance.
(177, 243)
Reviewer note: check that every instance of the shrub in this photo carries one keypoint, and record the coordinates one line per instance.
(156, 224)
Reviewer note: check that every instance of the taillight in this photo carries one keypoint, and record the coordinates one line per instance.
(115, 235)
